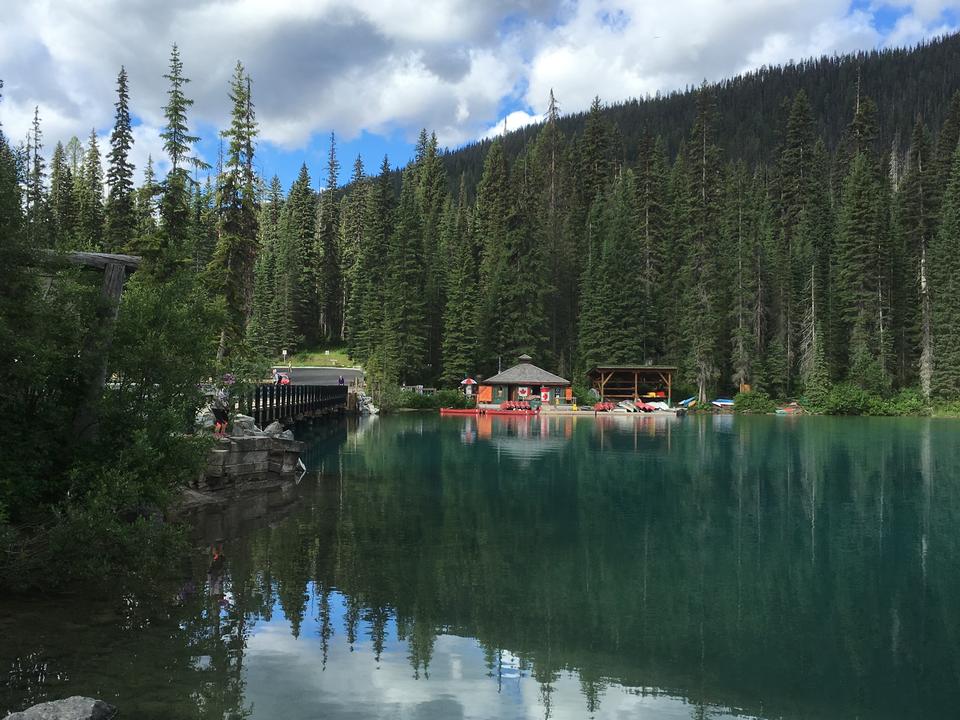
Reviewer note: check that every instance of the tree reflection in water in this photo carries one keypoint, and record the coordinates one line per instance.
(783, 567)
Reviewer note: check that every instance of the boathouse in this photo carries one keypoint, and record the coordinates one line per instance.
(633, 382)
(524, 381)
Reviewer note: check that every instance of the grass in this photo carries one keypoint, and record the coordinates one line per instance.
(325, 357)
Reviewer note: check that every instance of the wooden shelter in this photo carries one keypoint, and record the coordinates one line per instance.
(523, 381)
(632, 382)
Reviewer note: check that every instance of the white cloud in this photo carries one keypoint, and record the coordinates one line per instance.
(388, 66)
(514, 121)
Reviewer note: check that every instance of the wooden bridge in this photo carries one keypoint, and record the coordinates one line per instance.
(286, 403)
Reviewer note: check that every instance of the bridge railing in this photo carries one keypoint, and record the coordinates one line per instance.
(266, 403)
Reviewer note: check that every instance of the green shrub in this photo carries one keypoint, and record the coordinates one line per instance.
(906, 402)
(754, 402)
(453, 399)
(946, 408)
(444, 398)
(848, 399)
(581, 394)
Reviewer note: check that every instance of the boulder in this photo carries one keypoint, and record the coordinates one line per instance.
(273, 429)
(286, 435)
(243, 425)
(71, 708)
(205, 420)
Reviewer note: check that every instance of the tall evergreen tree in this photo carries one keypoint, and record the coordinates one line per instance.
(945, 292)
(297, 258)
(351, 247)
(857, 232)
(168, 249)
(231, 269)
(378, 214)
(145, 204)
(264, 331)
(460, 312)
(916, 223)
(404, 349)
(63, 209)
(90, 196)
(328, 276)
(702, 329)
(119, 214)
(431, 198)
(36, 215)
(492, 211)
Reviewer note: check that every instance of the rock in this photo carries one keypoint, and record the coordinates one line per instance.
(286, 435)
(274, 428)
(72, 708)
(243, 426)
(205, 420)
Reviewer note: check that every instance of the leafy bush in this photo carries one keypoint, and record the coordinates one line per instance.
(754, 402)
(582, 395)
(848, 399)
(906, 402)
(946, 409)
(444, 398)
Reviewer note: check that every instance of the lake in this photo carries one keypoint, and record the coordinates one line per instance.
(626, 567)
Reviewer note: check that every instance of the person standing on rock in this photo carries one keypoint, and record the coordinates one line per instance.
(219, 406)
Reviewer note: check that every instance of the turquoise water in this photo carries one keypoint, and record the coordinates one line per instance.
(700, 567)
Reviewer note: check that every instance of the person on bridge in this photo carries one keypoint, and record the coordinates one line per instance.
(341, 381)
(276, 376)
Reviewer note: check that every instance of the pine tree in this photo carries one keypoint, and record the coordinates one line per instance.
(857, 259)
(945, 292)
(297, 258)
(741, 227)
(90, 196)
(813, 231)
(168, 249)
(378, 214)
(263, 330)
(63, 210)
(550, 159)
(492, 210)
(431, 198)
(796, 189)
(404, 349)
(596, 152)
(351, 248)
(231, 269)
(915, 223)
(460, 313)
(594, 319)
(119, 215)
(36, 214)
(328, 273)
(177, 140)
(145, 204)
(652, 234)
(702, 327)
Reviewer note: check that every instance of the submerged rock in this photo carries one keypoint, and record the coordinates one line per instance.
(71, 708)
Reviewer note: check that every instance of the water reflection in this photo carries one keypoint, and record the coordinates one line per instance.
(775, 568)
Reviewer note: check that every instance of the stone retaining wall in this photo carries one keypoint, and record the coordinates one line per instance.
(250, 458)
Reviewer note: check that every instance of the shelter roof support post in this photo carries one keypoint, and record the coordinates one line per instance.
(98, 349)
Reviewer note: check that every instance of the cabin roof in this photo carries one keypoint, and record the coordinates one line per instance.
(631, 368)
(525, 373)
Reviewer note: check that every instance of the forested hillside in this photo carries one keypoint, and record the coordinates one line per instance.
(752, 109)
(790, 229)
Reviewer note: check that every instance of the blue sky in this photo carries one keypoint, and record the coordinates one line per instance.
(375, 72)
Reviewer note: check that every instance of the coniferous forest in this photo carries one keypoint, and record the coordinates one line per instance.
(791, 229)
